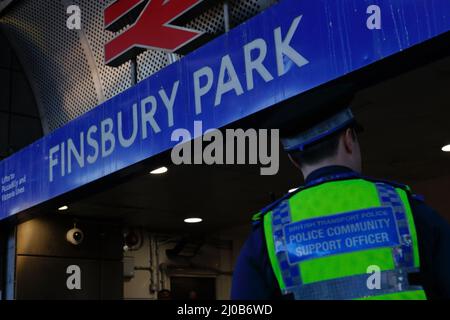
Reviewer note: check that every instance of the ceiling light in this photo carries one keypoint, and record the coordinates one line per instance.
(193, 220)
(446, 148)
(293, 190)
(161, 170)
(63, 208)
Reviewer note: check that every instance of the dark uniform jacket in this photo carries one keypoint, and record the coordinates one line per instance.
(254, 279)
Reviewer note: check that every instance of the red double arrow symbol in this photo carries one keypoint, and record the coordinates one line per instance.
(152, 30)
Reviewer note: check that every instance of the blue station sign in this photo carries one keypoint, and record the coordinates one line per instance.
(288, 49)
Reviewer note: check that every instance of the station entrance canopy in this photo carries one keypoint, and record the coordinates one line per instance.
(286, 51)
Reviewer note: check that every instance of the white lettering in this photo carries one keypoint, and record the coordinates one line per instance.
(107, 127)
(149, 117)
(126, 143)
(227, 69)
(92, 143)
(283, 48)
(52, 161)
(72, 151)
(256, 64)
(200, 91)
(170, 102)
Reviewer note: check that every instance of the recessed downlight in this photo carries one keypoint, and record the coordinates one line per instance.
(63, 208)
(446, 148)
(161, 170)
(293, 190)
(193, 220)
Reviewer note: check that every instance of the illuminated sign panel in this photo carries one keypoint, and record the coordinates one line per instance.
(287, 50)
(151, 27)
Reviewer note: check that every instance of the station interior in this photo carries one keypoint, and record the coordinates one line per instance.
(137, 242)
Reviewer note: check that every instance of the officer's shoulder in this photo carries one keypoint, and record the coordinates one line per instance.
(395, 184)
(404, 187)
(259, 217)
(256, 220)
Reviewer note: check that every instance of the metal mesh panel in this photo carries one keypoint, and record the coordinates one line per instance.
(64, 65)
(54, 58)
(113, 80)
(241, 11)
(150, 62)
(210, 21)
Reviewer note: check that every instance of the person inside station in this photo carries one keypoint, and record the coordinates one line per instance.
(342, 235)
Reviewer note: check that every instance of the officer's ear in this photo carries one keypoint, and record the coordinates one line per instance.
(349, 140)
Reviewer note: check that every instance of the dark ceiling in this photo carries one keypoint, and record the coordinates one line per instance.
(406, 122)
(4, 4)
(20, 123)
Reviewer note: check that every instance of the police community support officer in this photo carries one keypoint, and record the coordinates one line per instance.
(326, 240)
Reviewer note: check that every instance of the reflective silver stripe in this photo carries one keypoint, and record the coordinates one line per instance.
(403, 255)
(281, 216)
(355, 287)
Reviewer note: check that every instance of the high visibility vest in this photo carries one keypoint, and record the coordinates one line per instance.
(344, 239)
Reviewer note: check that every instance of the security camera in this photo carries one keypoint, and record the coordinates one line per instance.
(75, 236)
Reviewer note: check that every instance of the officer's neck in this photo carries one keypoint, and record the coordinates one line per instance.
(308, 169)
